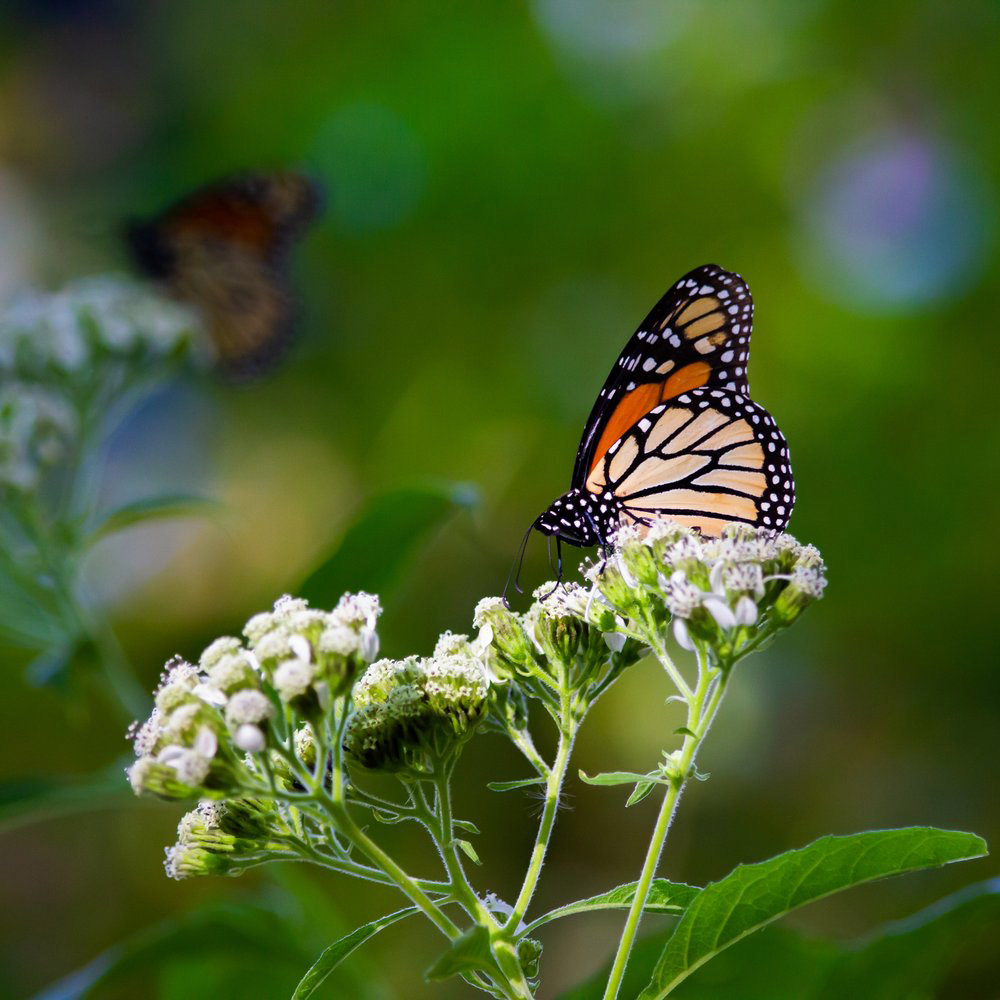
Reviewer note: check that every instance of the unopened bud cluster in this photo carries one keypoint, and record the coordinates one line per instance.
(224, 838)
(410, 714)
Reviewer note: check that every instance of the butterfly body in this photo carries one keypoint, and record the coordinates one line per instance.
(224, 249)
(674, 433)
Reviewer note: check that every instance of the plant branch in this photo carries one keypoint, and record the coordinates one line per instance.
(702, 706)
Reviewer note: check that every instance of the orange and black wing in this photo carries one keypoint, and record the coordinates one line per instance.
(225, 249)
(697, 335)
(703, 459)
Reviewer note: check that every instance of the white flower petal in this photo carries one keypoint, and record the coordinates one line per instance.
(615, 641)
(720, 611)
(206, 742)
(745, 611)
(210, 694)
(299, 645)
(249, 738)
(682, 635)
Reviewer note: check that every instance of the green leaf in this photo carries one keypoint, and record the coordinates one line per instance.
(752, 896)
(641, 790)
(623, 778)
(51, 668)
(683, 731)
(339, 950)
(29, 618)
(379, 544)
(153, 508)
(468, 953)
(911, 957)
(468, 850)
(664, 897)
(250, 929)
(509, 786)
(467, 825)
(903, 960)
(27, 800)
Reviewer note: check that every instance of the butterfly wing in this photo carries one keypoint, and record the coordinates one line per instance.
(703, 459)
(247, 303)
(224, 248)
(698, 334)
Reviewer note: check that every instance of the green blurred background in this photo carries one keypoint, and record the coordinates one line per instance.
(510, 187)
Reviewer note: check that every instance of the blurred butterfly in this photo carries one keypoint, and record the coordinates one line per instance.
(674, 433)
(224, 249)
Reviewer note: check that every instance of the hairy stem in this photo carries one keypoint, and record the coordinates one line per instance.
(509, 975)
(553, 792)
(703, 703)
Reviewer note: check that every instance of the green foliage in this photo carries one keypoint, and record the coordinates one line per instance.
(29, 800)
(664, 897)
(912, 957)
(376, 548)
(246, 928)
(339, 950)
(469, 953)
(152, 508)
(752, 896)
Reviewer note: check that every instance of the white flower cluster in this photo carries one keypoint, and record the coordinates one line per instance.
(207, 716)
(718, 592)
(53, 350)
(69, 330)
(36, 428)
(313, 655)
(710, 587)
(406, 709)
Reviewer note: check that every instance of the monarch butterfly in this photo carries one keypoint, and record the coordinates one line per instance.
(224, 248)
(674, 433)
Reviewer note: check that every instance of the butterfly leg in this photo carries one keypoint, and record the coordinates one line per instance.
(559, 566)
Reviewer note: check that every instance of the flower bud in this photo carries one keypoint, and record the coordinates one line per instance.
(509, 636)
(149, 776)
(807, 584)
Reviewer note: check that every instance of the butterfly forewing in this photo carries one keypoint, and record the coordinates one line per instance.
(697, 335)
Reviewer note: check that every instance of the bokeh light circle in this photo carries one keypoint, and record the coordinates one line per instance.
(373, 165)
(895, 220)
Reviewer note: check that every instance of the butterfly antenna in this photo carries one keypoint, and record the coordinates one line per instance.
(519, 563)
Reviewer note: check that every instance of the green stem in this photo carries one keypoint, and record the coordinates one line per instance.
(702, 706)
(553, 792)
(344, 822)
(509, 975)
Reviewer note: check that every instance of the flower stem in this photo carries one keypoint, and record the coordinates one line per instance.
(553, 791)
(702, 706)
(337, 807)
(509, 975)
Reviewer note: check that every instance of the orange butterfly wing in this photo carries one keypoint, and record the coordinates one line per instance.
(697, 335)
(224, 249)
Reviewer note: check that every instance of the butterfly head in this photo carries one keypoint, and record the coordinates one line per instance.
(580, 517)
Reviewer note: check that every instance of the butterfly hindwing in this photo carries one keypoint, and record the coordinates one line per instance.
(697, 334)
(704, 459)
(224, 248)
